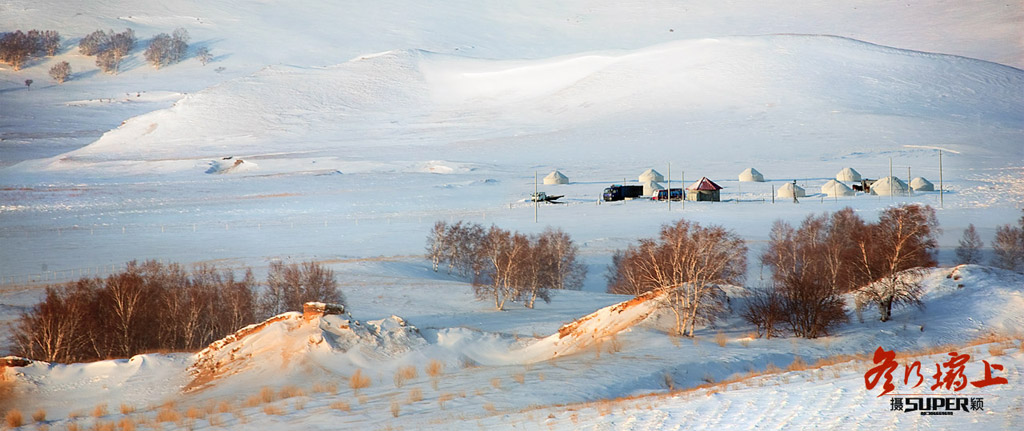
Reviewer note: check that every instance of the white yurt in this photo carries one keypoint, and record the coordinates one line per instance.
(651, 187)
(835, 188)
(651, 175)
(884, 186)
(848, 175)
(920, 184)
(789, 190)
(556, 177)
(751, 174)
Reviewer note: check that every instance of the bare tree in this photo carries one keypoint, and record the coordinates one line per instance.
(892, 255)
(766, 311)
(50, 42)
(437, 244)
(179, 45)
(60, 72)
(692, 261)
(289, 286)
(203, 55)
(502, 258)
(1008, 247)
(94, 43)
(805, 276)
(54, 330)
(157, 54)
(969, 249)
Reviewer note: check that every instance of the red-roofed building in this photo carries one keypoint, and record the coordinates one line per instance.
(704, 190)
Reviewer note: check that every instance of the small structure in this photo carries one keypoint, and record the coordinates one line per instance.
(751, 174)
(890, 186)
(651, 188)
(920, 184)
(556, 177)
(651, 175)
(835, 188)
(848, 175)
(704, 190)
(791, 190)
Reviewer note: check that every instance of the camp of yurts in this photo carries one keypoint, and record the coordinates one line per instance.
(835, 188)
(556, 177)
(751, 174)
(651, 187)
(789, 190)
(890, 186)
(651, 175)
(848, 175)
(920, 184)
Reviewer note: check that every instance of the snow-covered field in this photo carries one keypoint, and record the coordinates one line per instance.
(360, 125)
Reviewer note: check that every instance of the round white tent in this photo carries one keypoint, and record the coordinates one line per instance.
(789, 190)
(890, 186)
(751, 174)
(848, 175)
(920, 184)
(556, 177)
(651, 175)
(651, 187)
(835, 188)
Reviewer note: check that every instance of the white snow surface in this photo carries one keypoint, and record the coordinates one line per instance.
(340, 132)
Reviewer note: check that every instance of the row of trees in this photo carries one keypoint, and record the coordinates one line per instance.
(168, 49)
(507, 266)
(17, 47)
(1007, 247)
(153, 306)
(109, 47)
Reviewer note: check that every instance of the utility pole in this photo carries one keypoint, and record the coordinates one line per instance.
(891, 179)
(536, 202)
(910, 190)
(940, 178)
(668, 192)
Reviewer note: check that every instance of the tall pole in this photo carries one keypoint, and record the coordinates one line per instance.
(536, 197)
(891, 178)
(669, 191)
(682, 185)
(910, 190)
(940, 178)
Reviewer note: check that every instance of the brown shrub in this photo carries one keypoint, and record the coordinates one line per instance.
(291, 391)
(126, 424)
(127, 409)
(194, 413)
(798, 364)
(519, 378)
(404, 374)
(13, 418)
(329, 388)
(267, 395)
(168, 414)
(395, 408)
(496, 382)
(340, 405)
(104, 426)
(721, 339)
(99, 411)
(39, 415)
(224, 407)
(434, 368)
(358, 381)
(415, 395)
(271, 409)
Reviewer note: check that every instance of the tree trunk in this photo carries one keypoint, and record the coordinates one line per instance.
(885, 309)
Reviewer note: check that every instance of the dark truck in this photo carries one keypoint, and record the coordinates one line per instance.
(618, 192)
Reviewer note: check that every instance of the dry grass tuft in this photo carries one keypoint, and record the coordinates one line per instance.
(194, 413)
(496, 382)
(519, 378)
(73, 426)
(271, 409)
(99, 411)
(267, 395)
(39, 415)
(415, 395)
(997, 349)
(225, 407)
(363, 399)
(358, 381)
(395, 408)
(490, 408)
(126, 424)
(772, 369)
(290, 391)
(798, 364)
(444, 398)
(328, 388)
(168, 414)
(13, 418)
(721, 339)
(434, 368)
(127, 409)
(541, 377)
(340, 405)
(104, 426)
(404, 374)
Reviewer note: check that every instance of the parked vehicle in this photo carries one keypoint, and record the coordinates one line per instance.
(619, 192)
(544, 197)
(677, 195)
